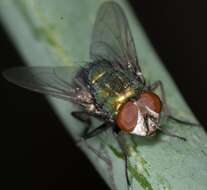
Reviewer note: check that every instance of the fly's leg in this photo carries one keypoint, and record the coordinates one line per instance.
(182, 122)
(83, 117)
(166, 109)
(126, 164)
(168, 133)
(103, 127)
(126, 160)
(106, 160)
(98, 153)
(86, 118)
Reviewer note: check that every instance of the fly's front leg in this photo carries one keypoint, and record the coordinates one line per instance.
(183, 122)
(168, 133)
(166, 109)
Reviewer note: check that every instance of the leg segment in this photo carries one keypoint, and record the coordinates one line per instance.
(166, 109)
(106, 160)
(167, 112)
(182, 122)
(103, 127)
(126, 160)
(100, 154)
(86, 118)
(83, 117)
(168, 133)
(126, 165)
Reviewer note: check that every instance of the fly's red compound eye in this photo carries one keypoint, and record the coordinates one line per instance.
(127, 117)
(151, 100)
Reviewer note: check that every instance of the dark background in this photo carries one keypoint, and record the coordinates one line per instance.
(37, 151)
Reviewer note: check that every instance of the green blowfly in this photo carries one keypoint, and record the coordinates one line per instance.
(111, 87)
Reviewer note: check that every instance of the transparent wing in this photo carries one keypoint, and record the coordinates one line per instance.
(112, 39)
(61, 82)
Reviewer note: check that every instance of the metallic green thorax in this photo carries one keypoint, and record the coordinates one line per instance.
(112, 89)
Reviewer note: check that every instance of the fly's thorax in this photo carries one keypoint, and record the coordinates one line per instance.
(111, 89)
(140, 117)
(97, 72)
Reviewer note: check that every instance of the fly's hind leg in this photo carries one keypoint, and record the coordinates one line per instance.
(100, 154)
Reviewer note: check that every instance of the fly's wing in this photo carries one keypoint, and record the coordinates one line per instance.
(60, 82)
(112, 40)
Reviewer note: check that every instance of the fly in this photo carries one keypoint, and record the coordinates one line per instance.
(111, 87)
